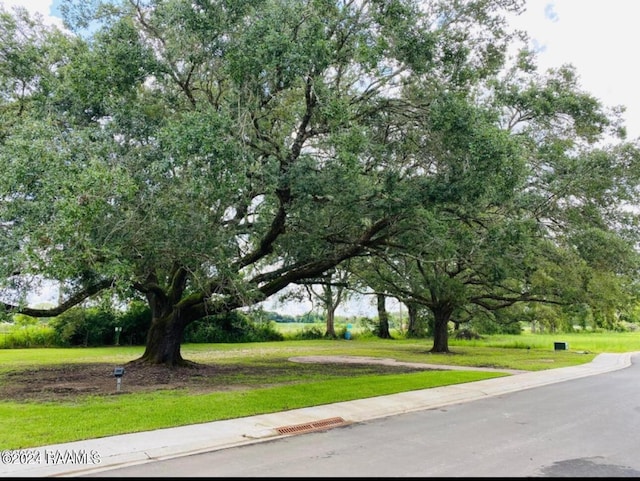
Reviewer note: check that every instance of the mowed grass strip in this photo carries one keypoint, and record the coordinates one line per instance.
(33, 424)
(25, 425)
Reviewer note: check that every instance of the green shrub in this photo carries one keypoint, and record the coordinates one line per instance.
(499, 324)
(17, 337)
(84, 327)
(307, 334)
(233, 327)
(368, 324)
(135, 323)
(467, 334)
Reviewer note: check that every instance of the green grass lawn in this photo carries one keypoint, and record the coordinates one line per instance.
(38, 423)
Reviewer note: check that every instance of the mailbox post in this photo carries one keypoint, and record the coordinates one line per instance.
(118, 372)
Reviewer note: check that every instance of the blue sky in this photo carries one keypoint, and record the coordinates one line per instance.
(599, 38)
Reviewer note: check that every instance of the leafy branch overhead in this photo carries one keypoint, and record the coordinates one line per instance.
(205, 155)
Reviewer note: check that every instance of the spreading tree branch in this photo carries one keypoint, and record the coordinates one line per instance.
(72, 301)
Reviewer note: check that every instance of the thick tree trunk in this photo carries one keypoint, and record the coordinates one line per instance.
(441, 329)
(331, 301)
(331, 322)
(383, 318)
(163, 341)
(414, 330)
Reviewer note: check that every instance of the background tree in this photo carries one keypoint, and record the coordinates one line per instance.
(418, 323)
(540, 236)
(329, 290)
(367, 283)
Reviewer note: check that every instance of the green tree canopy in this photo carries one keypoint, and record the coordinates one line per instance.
(205, 155)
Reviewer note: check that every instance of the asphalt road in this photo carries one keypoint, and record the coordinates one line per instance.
(585, 427)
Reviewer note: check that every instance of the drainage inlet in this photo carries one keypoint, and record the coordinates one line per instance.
(312, 426)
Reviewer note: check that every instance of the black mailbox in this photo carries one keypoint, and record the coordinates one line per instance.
(560, 346)
(118, 372)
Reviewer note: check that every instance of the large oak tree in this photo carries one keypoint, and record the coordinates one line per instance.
(206, 154)
(561, 229)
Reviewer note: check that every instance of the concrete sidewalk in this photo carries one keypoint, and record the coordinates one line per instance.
(95, 455)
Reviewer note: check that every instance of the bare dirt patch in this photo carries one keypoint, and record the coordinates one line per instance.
(71, 380)
(66, 382)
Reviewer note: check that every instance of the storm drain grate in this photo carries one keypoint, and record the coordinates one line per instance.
(312, 426)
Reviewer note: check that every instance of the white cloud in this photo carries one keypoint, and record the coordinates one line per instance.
(598, 38)
(43, 7)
